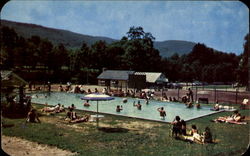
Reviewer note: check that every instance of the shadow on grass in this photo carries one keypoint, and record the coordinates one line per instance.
(113, 130)
(15, 115)
(7, 125)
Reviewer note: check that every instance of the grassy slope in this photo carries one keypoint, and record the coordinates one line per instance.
(143, 137)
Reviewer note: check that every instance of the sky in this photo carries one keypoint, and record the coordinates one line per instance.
(221, 25)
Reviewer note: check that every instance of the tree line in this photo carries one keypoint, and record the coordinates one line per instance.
(135, 51)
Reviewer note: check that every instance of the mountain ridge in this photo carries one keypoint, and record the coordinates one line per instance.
(74, 40)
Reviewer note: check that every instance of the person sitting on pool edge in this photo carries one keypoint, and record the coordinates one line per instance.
(184, 99)
(162, 112)
(189, 104)
(216, 107)
(174, 99)
(198, 106)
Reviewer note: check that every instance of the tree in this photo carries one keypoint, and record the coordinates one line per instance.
(243, 69)
(98, 54)
(85, 55)
(8, 42)
(45, 50)
(59, 57)
(139, 52)
(34, 51)
(135, 33)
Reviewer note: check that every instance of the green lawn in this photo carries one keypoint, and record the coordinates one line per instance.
(141, 138)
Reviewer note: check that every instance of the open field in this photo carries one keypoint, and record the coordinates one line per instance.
(133, 136)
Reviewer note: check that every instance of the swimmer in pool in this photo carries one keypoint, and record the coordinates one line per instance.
(162, 112)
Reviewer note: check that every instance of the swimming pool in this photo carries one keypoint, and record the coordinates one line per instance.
(148, 111)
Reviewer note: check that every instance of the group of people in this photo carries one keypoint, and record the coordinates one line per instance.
(187, 99)
(180, 131)
(146, 95)
(77, 89)
(72, 117)
(190, 105)
(168, 99)
(179, 127)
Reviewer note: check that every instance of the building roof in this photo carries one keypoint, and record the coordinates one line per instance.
(115, 74)
(9, 78)
(153, 77)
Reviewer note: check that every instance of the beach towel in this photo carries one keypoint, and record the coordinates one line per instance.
(237, 122)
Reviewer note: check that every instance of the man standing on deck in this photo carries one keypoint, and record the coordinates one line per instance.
(190, 95)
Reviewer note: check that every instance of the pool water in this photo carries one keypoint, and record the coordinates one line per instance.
(148, 111)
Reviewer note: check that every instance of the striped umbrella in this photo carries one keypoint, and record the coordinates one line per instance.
(97, 97)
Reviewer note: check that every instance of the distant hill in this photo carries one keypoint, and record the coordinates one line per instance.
(74, 40)
(56, 36)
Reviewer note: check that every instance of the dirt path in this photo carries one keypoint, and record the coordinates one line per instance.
(16, 146)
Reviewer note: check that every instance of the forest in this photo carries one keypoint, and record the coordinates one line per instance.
(37, 59)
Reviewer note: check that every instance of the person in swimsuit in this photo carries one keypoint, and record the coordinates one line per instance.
(32, 116)
(162, 112)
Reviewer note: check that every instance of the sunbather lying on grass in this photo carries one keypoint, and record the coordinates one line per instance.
(235, 117)
(81, 119)
(56, 109)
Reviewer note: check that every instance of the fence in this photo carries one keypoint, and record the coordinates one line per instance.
(213, 95)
